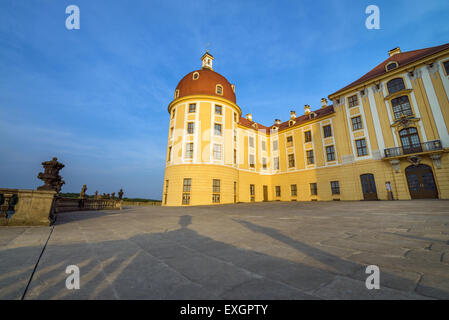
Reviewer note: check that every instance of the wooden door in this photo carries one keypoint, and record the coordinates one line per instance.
(421, 183)
(368, 186)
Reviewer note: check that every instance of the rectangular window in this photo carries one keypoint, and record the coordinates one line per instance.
(189, 150)
(264, 146)
(217, 151)
(335, 186)
(446, 67)
(186, 198)
(291, 160)
(187, 185)
(362, 150)
(294, 190)
(173, 114)
(276, 163)
(264, 163)
(308, 136)
(313, 189)
(235, 156)
(327, 130)
(190, 127)
(218, 110)
(357, 123)
(330, 153)
(235, 117)
(166, 191)
(217, 129)
(251, 161)
(169, 154)
(278, 191)
(289, 141)
(310, 159)
(235, 136)
(186, 190)
(252, 192)
(251, 142)
(192, 108)
(353, 101)
(275, 145)
(172, 130)
(216, 186)
(215, 198)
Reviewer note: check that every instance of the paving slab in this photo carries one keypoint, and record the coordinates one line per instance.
(282, 250)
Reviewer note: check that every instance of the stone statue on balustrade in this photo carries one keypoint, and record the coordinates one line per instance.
(83, 192)
(120, 194)
(53, 181)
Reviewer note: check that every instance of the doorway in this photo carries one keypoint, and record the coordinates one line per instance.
(421, 182)
(265, 193)
(368, 187)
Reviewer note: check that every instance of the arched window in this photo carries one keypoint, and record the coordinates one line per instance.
(401, 106)
(395, 85)
(410, 140)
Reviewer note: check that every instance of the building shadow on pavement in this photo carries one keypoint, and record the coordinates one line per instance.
(183, 264)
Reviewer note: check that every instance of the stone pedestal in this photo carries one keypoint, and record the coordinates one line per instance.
(34, 208)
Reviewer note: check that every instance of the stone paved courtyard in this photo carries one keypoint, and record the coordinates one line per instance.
(295, 250)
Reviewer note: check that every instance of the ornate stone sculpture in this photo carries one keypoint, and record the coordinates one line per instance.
(53, 181)
(113, 195)
(120, 194)
(96, 195)
(83, 192)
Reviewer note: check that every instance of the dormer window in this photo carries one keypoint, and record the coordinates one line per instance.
(390, 66)
(196, 75)
(176, 93)
(291, 122)
(219, 89)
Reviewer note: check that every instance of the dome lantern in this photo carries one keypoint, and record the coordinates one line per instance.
(207, 59)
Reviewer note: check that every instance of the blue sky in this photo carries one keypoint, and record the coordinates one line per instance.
(97, 97)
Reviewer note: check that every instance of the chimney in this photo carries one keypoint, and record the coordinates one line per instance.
(292, 114)
(323, 102)
(306, 109)
(249, 117)
(277, 121)
(394, 51)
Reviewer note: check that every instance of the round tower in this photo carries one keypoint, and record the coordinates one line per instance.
(201, 166)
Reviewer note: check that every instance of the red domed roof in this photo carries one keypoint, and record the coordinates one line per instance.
(205, 84)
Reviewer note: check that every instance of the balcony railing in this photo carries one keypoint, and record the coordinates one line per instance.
(416, 148)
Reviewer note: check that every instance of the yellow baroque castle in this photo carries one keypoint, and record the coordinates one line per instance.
(385, 136)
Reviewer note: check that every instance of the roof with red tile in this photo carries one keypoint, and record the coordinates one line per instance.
(320, 113)
(402, 59)
(205, 84)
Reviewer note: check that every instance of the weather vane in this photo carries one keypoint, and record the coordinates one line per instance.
(207, 46)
